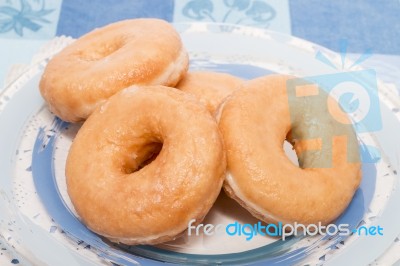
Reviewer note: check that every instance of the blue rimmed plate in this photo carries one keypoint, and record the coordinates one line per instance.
(39, 224)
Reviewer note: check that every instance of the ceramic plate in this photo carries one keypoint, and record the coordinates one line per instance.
(39, 224)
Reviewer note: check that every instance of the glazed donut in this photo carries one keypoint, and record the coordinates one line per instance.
(211, 88)
(255, 121)
(121, 190)
(109, 59)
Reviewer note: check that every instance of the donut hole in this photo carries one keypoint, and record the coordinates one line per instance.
(100, 51)
(290, 152)
(152, 155)
(142, 157)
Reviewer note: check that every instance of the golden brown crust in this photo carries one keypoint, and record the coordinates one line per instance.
(108, 59)
(125, 203)
(211, 88)
(254, 123)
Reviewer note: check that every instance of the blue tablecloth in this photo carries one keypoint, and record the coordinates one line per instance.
(25, 25)
(367, 24)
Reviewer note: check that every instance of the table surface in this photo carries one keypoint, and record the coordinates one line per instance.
(365, 25)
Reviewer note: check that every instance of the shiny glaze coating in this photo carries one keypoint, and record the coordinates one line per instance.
(117, 185)
(254, 122)
(211, 88)
(109, 59)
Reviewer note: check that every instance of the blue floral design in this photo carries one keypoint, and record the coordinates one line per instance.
(14, 19)
(239, 5)
(248, 12)
(260, 12)
(199, 9)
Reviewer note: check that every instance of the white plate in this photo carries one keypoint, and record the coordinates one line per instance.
(37, 219)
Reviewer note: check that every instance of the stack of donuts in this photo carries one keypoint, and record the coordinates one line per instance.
(158, 143)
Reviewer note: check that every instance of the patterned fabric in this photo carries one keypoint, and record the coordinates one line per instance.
(365, 24)
(28, 19)
(273, 15)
